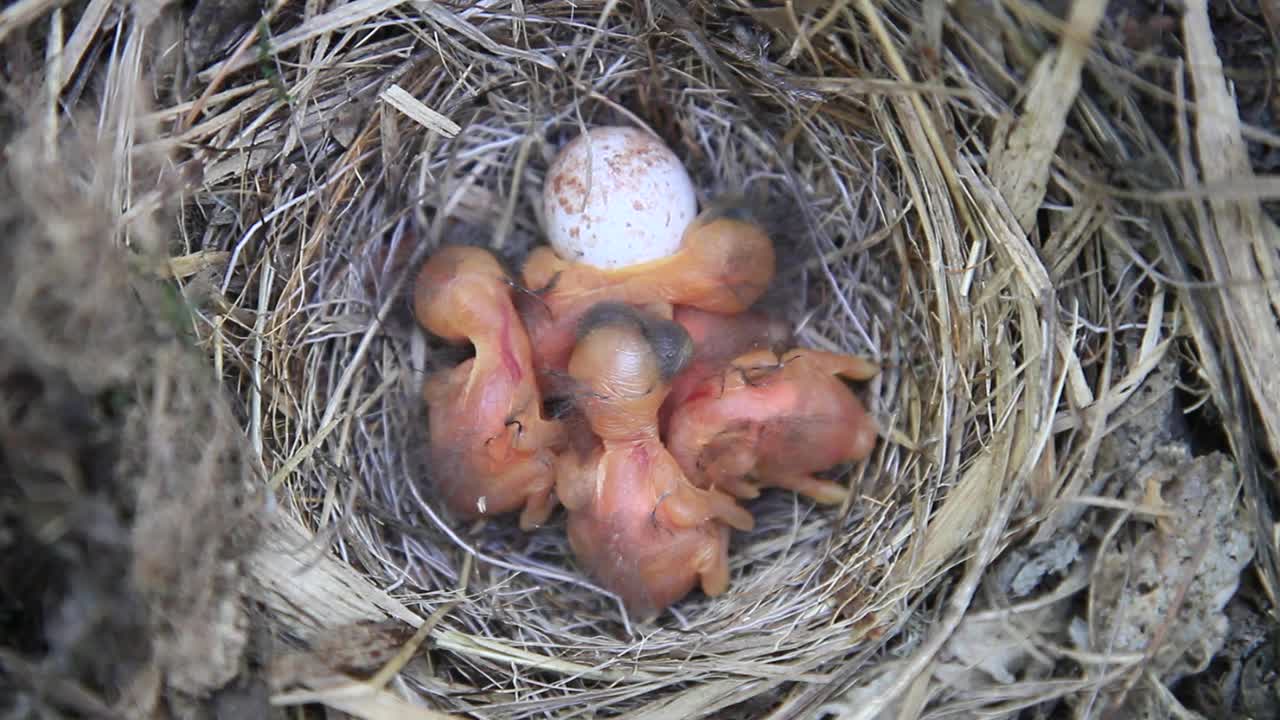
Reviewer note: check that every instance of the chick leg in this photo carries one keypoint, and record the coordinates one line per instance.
(821, 491)
(738, 486)
(728, 459)
(857, 368)
(713, 563)
(852, 367)
(684, 505)
(535, 479)
(574, 480)
(538, 508)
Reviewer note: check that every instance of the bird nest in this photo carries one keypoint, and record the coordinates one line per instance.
(948, 197)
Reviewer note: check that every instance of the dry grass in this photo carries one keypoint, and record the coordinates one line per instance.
(953, 191)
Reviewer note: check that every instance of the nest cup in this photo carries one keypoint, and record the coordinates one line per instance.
(538, 585)
(439, 128)
(804, 582)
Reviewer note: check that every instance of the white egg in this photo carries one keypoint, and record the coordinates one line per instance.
(617, 196)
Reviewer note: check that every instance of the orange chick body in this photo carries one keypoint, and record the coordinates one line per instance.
(717, 340)
(634, 521)
(723, 265)
(491, 450)
(770, 421)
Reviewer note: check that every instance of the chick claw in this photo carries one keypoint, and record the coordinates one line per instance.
(821, 491)
(712, 564)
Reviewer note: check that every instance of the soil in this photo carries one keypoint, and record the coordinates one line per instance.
(1247, 35)
(1241, 680)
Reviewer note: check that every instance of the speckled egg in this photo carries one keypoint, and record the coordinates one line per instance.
(617, 196)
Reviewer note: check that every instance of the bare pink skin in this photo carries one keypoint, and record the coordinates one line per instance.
(724, 265)
(717, 340)
(635, 522)
(770, 421)
(634, 530)
(491, 450)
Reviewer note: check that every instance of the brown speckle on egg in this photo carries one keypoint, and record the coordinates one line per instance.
(617, 196)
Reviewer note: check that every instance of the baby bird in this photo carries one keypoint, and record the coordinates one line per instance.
(717, 340)
(725, 263)
(770, 421)
(491, 450)
(634, 520)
